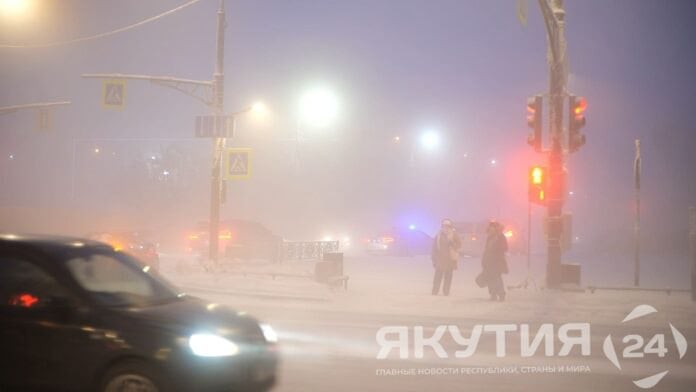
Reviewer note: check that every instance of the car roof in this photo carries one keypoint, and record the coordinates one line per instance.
(49, 243)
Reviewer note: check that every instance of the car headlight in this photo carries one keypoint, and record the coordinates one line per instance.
(209, 345)
(268, 333)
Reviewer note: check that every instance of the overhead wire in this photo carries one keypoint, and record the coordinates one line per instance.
(101, 35)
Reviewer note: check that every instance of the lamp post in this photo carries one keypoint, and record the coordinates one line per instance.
(318, 108)
(210, 92)
(429, 141)
(15, 9)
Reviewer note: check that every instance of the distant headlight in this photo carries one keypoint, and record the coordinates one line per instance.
(208, 345)
(269, 333)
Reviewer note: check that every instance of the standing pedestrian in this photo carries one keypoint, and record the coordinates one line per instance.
(444, 255)
(493, 261)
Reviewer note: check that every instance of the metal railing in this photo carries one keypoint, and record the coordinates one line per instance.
(306, 250)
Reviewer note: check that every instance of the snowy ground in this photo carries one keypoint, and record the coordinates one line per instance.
(328, 335)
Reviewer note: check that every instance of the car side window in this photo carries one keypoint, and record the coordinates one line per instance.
(105, 274)
(25, 285)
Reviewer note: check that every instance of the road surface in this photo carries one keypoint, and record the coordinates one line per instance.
(330, 344)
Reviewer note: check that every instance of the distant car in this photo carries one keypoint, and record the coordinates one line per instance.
(401, 242)
(77, 315)
(238, 239)
(133, 242)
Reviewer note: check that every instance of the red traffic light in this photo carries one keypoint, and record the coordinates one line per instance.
(577, 108)
(536, 175)
(580, 105)
(538, 185)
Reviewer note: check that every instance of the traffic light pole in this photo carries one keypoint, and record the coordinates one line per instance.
(218, 143)
(554, 19)
(202, 90)
(692, 246)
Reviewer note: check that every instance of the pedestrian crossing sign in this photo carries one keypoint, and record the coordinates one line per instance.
(237, 163)
(114, 93)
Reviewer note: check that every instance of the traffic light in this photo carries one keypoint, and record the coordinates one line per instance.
(44, 119)
(577, 107)
(538, 185)
(534, 121)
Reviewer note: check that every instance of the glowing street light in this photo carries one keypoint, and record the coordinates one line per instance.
(430, 140)
(319, 107)
(259, 109)
(15, 8)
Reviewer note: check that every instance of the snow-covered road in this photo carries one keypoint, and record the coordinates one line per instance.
(328, 337)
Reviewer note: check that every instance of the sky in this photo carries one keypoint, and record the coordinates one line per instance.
(398, 68)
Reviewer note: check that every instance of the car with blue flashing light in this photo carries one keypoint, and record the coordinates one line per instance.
(400, 241)
(78, 315)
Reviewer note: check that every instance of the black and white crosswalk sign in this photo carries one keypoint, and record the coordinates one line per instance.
(237, 163)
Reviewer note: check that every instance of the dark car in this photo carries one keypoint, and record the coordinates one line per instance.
(238, 239)
(77, 315)
(401, 242)
(135, 243)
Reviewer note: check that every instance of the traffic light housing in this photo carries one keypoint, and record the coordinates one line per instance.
(538, 185)
(44, 119)
(534, 104)
(577, 107)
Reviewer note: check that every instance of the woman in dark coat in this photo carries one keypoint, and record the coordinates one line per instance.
(445, 254)
(493, 261)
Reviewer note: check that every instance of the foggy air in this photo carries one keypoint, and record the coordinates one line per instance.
(365, 195)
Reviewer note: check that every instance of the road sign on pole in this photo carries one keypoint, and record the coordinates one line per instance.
(113, 93)
(44, 119)
(237, 163)
(213, 126)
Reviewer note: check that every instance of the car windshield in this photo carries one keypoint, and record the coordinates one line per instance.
(116, 279)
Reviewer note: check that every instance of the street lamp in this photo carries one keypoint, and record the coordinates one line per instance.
(430, 140)
(259, 109)
(319, 107)
(15, 8)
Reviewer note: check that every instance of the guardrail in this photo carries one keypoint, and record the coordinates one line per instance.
(306, 250)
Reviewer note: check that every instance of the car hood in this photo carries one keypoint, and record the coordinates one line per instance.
(192, 315)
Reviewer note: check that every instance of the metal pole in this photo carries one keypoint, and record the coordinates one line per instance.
(74, 158)
(218, 143)
(636, 226)
(554, 18)
(529, 239)
(692, 241)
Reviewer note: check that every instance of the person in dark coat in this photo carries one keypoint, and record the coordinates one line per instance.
(493, 261)
(444, 255)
